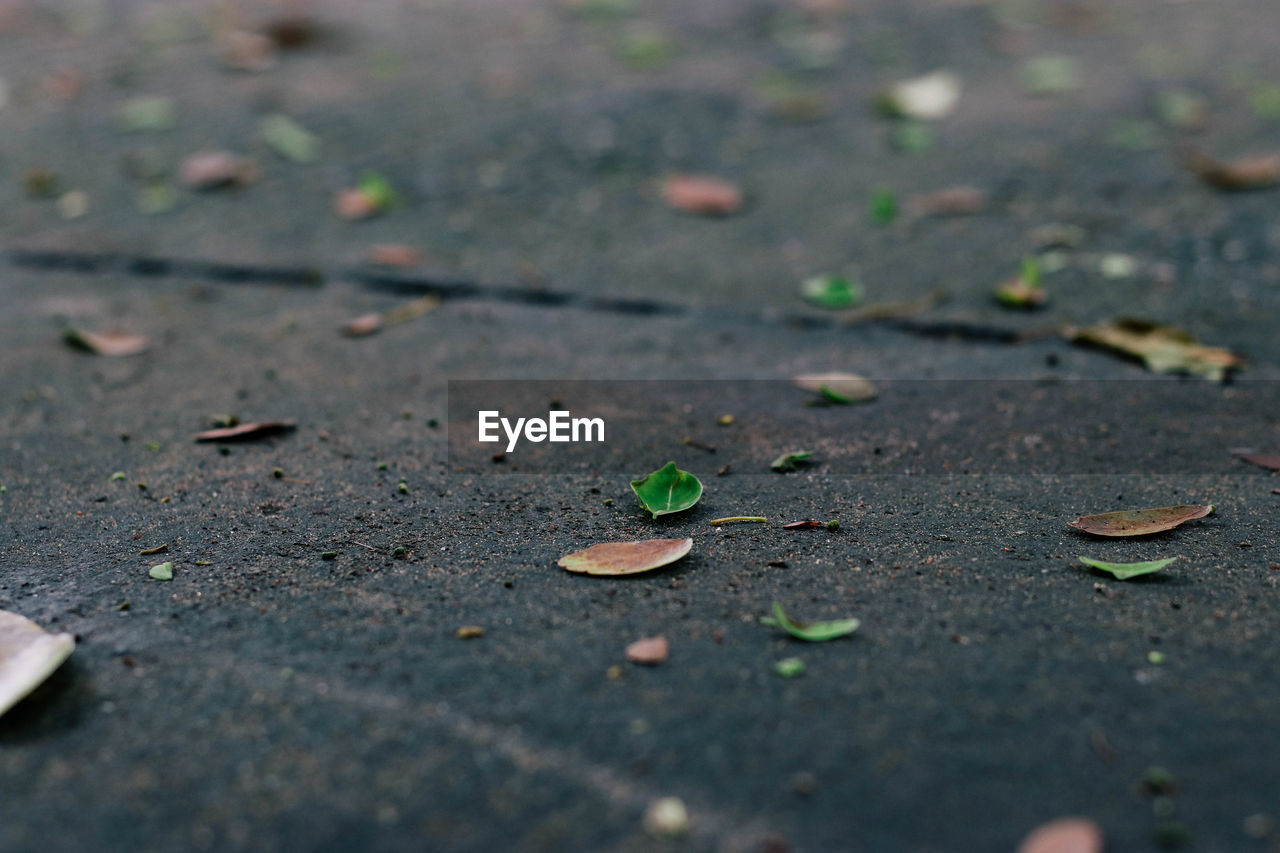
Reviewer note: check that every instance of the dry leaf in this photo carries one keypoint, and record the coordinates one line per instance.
(626, 558)
(1249, 173)
(650, 651)
(1270, 461)
(394, 255)
(702, 194)
(1163, 349)
(1064, 835)
(244, 50)
(355, 204)
(28, 655)
(838, 387)
(928, 97)
(106, 343)
(206, 170)
(797, 525)
(1140, 522)
(365, 324)
(247, 432)
(952, 201)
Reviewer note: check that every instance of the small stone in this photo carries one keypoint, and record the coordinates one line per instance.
(206, 170)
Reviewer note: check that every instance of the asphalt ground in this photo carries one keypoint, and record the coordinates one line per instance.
(269, 698)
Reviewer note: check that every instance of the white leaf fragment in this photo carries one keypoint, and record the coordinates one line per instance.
(28, 655)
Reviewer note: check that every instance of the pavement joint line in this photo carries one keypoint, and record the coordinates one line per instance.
(446, 288)
(729, 833)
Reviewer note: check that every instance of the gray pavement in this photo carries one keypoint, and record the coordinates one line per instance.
(268, 698)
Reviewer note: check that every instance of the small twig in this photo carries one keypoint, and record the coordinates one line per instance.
(693, 442)
(740, 518)
(894, 310)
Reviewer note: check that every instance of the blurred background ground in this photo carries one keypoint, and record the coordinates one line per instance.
(268, 698)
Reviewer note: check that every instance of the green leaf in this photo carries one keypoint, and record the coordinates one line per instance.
(290, 139)
(831, 291)
(1050, 75)
(787, 461)
(147, 113)
(1124, 571)
(813, 632)
(378, 190)
(162, 572)
(884, 207)
(667, 490)
(789, 667)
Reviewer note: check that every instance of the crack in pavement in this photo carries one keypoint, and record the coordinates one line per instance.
(446, 287)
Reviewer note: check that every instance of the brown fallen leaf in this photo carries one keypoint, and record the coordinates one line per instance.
(355, 204)
(1163, 349)
(245, 50)
(1064, 835)
(394, 255)
(365, 324)
(1140, 522)
(106, 343)
(206, 170)
(626, 558)
(247, 432)
(1270, 461)
(838, 387)
(1249, 173)
(952, 201)
(159, 549)
(650, 651)
(796, 525)
(702, 194)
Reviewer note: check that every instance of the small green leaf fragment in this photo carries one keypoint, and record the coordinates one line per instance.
(403, 488)
(789, 667)
(1050, 75)
(813, 632)
(378, 190)
(329, 555)
(911, 137)
(289, 139)
(162, 572)
(1124, 571)
(118, 476)
(1155, 658)
(830, 291)
(147, 114)
(1264, 99)
(788, 461)
(667, 490)
(884, 206)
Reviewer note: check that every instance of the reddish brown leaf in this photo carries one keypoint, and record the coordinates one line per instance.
(626, 558)
(365, 324)
(206, 170)
(394, 255)
(796, 525)
(1064, 835)
(1249, 173)
(355, 204)
(952, 201)
(1270, 461)
(702, 194)
(1140, 522)
(244, 50)
(106, 343)
(650, 651)
(247, 432)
